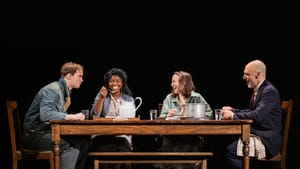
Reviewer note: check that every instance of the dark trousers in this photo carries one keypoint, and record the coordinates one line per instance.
(82, 144)
(110, 144)
(73, 149)
(233, 161)
(182, 143)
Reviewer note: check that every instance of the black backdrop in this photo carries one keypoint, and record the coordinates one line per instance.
(217, 70)
(212, 43)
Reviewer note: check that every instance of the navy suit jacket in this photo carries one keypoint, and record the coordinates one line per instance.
(266, 114)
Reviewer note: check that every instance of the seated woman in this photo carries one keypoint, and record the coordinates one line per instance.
(107, 103)
(183, 91)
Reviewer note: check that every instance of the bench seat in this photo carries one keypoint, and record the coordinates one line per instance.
(150, 157)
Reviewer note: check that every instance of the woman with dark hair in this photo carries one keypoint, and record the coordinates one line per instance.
(107, 103)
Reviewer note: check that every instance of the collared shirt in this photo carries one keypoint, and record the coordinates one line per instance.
(172, 102)
(114, 107)
(255, 90)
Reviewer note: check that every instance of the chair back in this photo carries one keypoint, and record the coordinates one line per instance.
(159, 107)
(15, 129)
(286, 106)
(280, 158)
(16, 137)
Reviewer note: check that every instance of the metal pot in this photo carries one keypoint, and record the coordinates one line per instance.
(196, 110)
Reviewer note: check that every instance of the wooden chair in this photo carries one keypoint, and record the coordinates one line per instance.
(280, 158)
(16, 137)
(159, 107)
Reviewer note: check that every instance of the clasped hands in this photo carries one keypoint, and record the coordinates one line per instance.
(227, 112)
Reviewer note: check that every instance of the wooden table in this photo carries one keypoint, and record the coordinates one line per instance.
(151, 127)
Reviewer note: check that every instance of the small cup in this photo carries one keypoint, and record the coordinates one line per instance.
(153, 114)
(86, 112)
(218, 114)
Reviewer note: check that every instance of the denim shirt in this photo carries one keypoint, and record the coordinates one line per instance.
(171, 102)
(48, 104)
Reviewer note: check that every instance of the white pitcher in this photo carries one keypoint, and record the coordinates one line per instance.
(127, 109)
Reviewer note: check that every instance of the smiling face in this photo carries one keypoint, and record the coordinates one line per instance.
(250, 76)
(115, 84)
(175, 84)
(254, 73)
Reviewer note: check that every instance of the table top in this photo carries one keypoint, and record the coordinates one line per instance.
(156, 121)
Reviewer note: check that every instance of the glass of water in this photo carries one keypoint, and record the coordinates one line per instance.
(153, 114)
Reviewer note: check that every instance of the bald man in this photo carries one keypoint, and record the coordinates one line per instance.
(265, 111)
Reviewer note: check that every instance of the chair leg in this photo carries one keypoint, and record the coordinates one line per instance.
(96, 164)
(128, 166)
(51, 163)
(204, 164)
(282, 164)
(15, 164)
